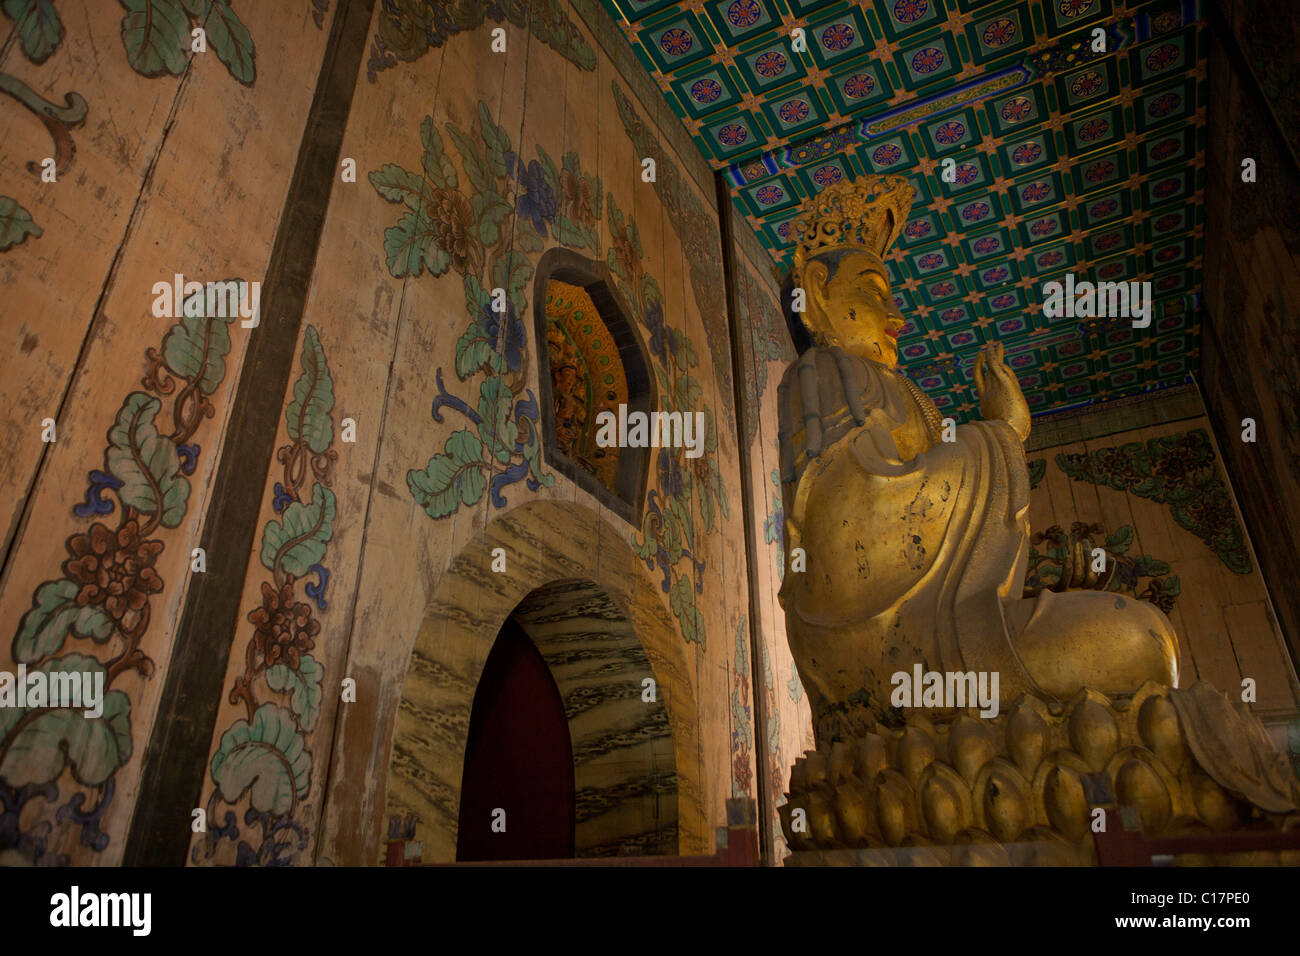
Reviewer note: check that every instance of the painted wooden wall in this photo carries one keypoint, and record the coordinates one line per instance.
(1159, 499)
(167, 162)
(1251, 351)
(783, 722)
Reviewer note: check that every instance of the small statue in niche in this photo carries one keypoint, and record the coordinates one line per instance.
(916, 547)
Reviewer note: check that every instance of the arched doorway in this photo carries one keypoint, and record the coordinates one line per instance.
(565, 739)
(516, 795)
(602, 629)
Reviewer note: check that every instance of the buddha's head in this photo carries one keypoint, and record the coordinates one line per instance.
(845, 231)
(849, 304)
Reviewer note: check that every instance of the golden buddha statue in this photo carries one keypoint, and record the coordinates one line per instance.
(906, 547)
(916, 547)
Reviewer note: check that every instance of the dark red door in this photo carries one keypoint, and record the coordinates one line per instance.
(518, 759)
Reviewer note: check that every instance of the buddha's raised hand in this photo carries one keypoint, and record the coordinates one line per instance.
(999, 391)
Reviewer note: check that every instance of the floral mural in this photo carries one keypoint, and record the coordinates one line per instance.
(92, 619)
(266, 755)
(449, 228)
(1066, 560)
(1179, 470)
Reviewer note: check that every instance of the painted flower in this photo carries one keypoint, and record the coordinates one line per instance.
(455, 230)
(285, 629)
(114, 569)
(578, 201)
(661, 340)
(538, 200)
(670, 473)
(515, 338)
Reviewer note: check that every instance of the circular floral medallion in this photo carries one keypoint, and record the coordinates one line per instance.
(743, 13)
(1168, 254)
(975, 211)
(948, 316)
(1166, 187)
(1164, 105)
(706, 90)
(942, 288)
(1093, 130)
(859, 85)
(966, 173)
(1049, 259)
(837, 37)
(1109, 241)
(1043, 227)
(886, 155)
(676, 42)
(931, 260)
(1162, 57)
(999, 32)
(1015, 109)
(733, 134)
(986, 245)
(1036, 192)
(1086, 84)
(783, 230)
(1026, 153)
(913, 351)
(962, 338)
(1072, 9)
(1099, 171)
(918, 229)
(770, 64)
(1171, 221)
(1166, 148)
(1166, 22)
(769, 195)
(1110, 270)
(927, 60)
(909, 11)
(1015, 325)
(1003, 301)
(827, 175)
(1103, 208)
(996, 274)
(949, 133)
(793, 111)
(753, 171)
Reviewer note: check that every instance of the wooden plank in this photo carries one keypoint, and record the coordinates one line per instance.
(1261, 654)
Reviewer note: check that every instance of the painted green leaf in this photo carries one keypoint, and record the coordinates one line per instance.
(686, 357)
(15, 223)
(308, 415)
(54, 614)
(303, 685)
(682, 601)
(232, 42)
(688, 392)
(39, 27)
(195, 348)
(1119, 542)
(549, 171)
(436, 162)
(156, 34)
(529, 241)
(512, 272)
(146, 462)
(495, 428)
(268, 757)
(399, 185)
(410, 247)
(490, 211)
(471, 160)
(495, 140)
(473, 351)
(40, 742)
(452, 478)
(299, 537)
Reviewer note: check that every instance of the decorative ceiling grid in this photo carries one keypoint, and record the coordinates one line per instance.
(1067, 160)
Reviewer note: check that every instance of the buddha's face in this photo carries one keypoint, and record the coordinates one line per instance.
(850, 305)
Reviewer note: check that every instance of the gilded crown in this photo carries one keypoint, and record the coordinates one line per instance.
(868, 212)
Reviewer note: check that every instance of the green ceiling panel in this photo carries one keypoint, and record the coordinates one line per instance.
(1065, 159)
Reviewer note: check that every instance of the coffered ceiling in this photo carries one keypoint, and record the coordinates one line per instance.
(1066, 158)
